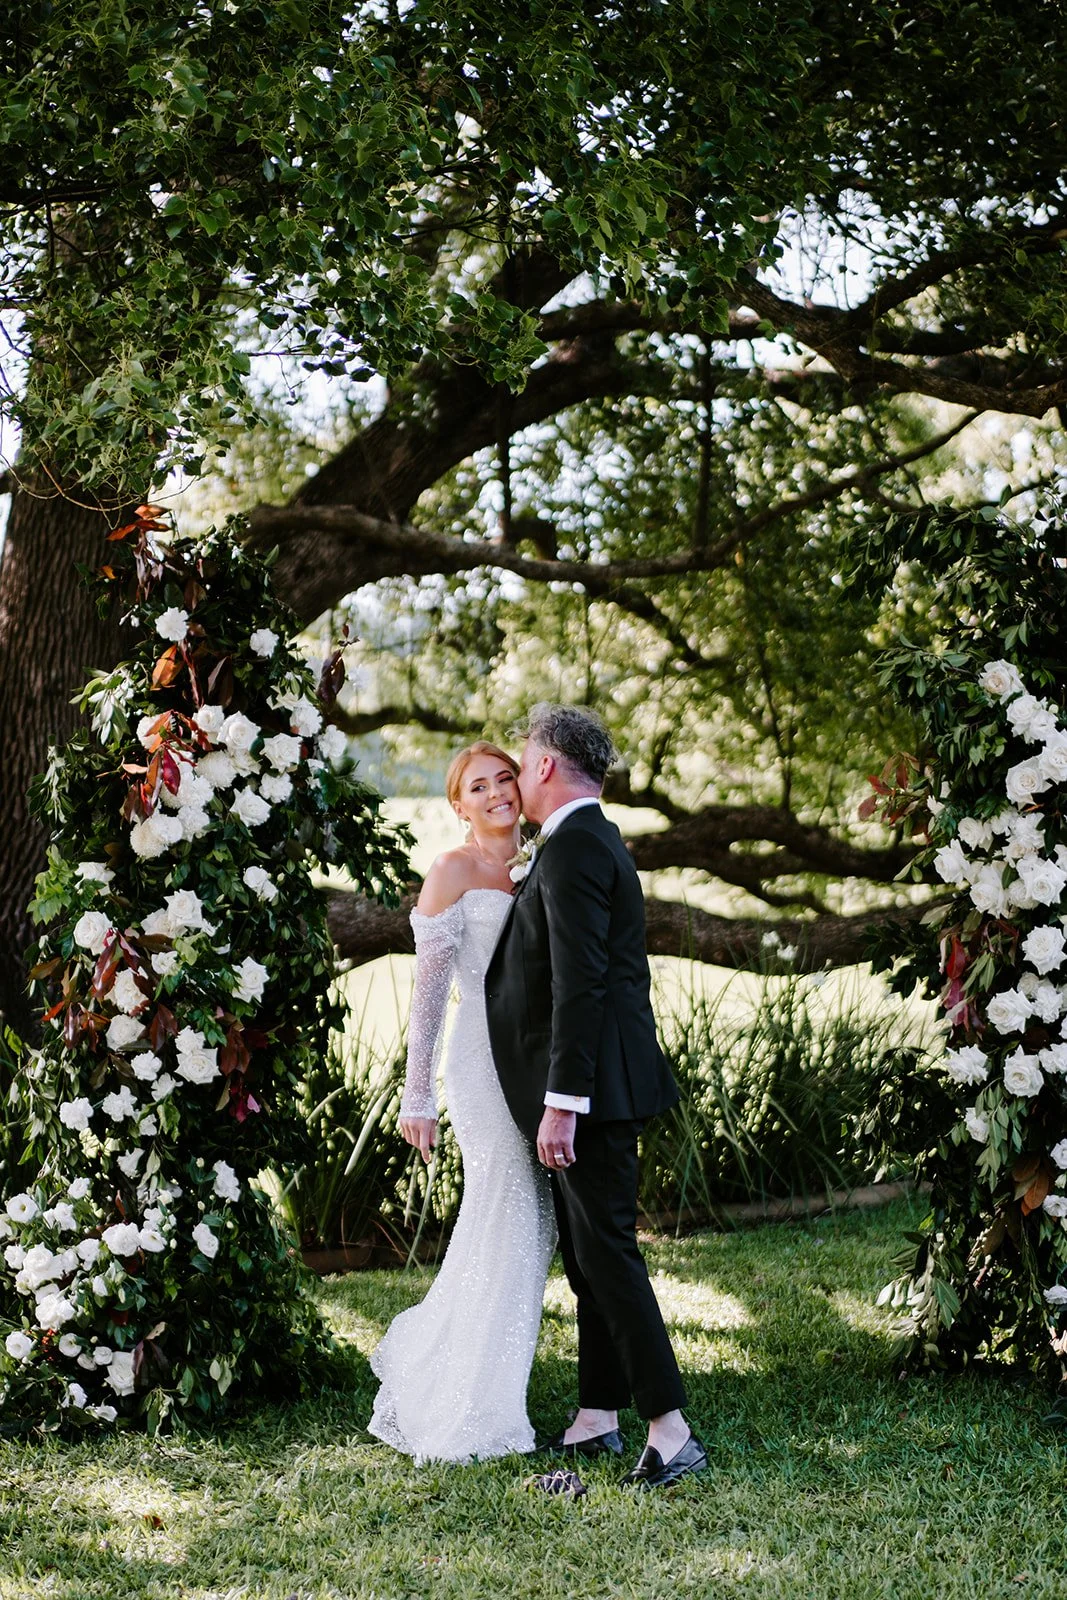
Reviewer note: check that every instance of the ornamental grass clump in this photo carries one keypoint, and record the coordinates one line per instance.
(185, 973)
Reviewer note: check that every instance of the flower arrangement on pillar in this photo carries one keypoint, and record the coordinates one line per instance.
(185, 972)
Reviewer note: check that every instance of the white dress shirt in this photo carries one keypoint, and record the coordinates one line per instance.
(566, 1102)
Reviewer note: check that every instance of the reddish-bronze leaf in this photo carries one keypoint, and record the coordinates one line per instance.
(220, 682)
(194, 593)
(172, 773)
(120, 533)
(56, 1009)
(868, 808)
(1036, 1193)
(162, 1024)
(107, 964)
(168, 668)
(44, 969)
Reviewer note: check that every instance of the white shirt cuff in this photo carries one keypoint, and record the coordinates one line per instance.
(568, 1102)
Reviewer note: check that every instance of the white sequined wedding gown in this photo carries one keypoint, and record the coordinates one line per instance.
(454, 1369)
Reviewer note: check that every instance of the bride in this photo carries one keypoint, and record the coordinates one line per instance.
(454, 1369)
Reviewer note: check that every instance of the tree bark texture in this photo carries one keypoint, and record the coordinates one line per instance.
(50, 636)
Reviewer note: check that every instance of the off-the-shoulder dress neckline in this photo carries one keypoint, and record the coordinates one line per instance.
(417, 913)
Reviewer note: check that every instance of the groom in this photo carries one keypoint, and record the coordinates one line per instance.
(573, 1037)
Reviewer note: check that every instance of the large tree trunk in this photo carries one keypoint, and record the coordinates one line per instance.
(50, 633)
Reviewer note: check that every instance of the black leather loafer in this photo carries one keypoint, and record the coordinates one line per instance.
(652, 1472)
(601, 1444)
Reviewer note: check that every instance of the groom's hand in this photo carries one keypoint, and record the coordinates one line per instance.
(421, 1132)
(555, 1138)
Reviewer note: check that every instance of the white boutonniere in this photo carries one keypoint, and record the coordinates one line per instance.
(520, 864)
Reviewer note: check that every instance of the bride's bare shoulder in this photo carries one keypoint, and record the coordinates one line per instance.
(447, 881)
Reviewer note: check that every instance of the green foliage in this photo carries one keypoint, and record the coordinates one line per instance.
(185, 968)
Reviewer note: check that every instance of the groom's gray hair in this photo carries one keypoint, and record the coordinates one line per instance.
(576, 737)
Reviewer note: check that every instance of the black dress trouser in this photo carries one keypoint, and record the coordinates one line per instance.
(624, 1354)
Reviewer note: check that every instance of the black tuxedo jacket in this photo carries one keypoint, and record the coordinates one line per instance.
(567, 985)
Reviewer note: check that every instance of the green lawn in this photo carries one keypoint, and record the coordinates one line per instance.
(831, 1476)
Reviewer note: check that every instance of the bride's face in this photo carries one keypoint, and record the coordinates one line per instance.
(489, 796)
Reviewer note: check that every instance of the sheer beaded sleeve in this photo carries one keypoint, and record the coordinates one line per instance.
(436, 941)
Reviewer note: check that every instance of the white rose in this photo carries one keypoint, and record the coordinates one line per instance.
(146, 1066)
(1055, 1205)
(14, 1255)
(76, 1395)
(1044, 948)
(952, 864)
(129, 1163)
(39, 1266)
(101, 1413)
(1054, 1058)
(1047, 1002)
(75, 1114)
(1008, 1011)
(123, 1030)
(152, 1239)
(988, 893)
(173, 625)
(21, 1208)
(306, 719)
(94, 872)
(148, 1125)
(250, 809)
(120, 1372)
(69, 1345)
(969, 1065)
(1059, 1154)
(251, 978)
(79, 1189)
(19, 1345)
(263, 641)
(1025, 837)
(238, 732)
(209, 720)
(228, 1187)
(1052, 760)
(1022, 1075)
(1024, 781)
(244, 763)
(283, 751)
(61, 1216)
(122, 1238)
(1044, 880)
(54, 1310)
(977, 1125)
(88, 1250)
(164, 1085)
(276, 787)
(91, 931)
(119, 1105)
(217, 769)
(205, 1241)
(1000, 678)
(197, 1060)
(185, 911)
(1032, 719)
(164, 962)
(155, 835)
(260, 883)
(126, 993)
(156, 924)
(1057, 1295)
(333, 743)
(974, 834)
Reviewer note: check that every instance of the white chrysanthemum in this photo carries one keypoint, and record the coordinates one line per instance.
(123, 1030)
(305, 719)
(147, 1066)
(1059, 1154)
(1008, 1011)
(1032, 719)
(1024, 781)
(952, 864)
(94, 872)
(251, 977)
(75, 1114)
(977, 1125)
(193, 790)
(126, 993)
(19, 1345)
(91, 931)
(1044, 880)
(1044, 948)
(195, 822)
(276, 787)
(154, 836)
(1022, 1074)
(260, 883)
(21, 1208)
(238, 732)
(185, 911)
(333, 743)
(217, 769)
(119, 1105)
(968, 1065)
(974, 834)
(263, 642)
(205, 1241)
(209, 720)
(250, 808)
(1001, 679)
(122, 1238)
(227, 1185)
(129, 1163)
(173, 625)
(283, 752)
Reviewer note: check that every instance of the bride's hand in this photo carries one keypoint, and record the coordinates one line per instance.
(421, 1132)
